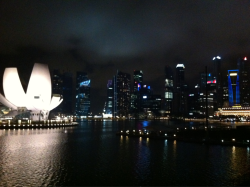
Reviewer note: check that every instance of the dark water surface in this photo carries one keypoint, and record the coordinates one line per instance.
(91, 154)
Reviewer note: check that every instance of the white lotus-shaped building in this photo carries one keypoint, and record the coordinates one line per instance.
(37, 100)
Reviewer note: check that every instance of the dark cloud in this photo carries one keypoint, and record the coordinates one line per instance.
(100, 37)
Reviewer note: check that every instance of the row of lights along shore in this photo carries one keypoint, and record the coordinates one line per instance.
(147, 133)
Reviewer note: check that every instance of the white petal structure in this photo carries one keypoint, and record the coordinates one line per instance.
(6, 103)
(12, 87)
(38, 97)
(39, 88)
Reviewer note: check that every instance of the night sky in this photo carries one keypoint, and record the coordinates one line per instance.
(99, 37)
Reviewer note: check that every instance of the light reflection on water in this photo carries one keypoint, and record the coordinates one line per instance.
(91, 154)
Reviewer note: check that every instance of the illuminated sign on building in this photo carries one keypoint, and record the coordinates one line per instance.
(85, 83)
(139, 86)
(209, 82)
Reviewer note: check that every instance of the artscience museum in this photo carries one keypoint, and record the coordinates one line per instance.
(37, 102)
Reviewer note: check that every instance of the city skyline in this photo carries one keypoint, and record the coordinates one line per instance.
(102, 37)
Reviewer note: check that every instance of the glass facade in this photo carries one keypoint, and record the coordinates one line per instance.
(169, 89)
(122, 94)
(110, 98)
(82, 94)
(135, 95)
(233, 87)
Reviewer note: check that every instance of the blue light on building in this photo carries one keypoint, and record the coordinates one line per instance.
(233, 87)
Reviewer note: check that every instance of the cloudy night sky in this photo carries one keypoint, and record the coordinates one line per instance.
(100, 37)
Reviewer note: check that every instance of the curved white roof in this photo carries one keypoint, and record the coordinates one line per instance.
(39, 88)
(5, 102)
(12, 87)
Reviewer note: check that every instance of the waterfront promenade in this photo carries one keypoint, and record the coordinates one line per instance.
(8, 124)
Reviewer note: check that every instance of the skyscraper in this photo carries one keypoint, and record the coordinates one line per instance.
(135, 95)
(67, 103)
(138, 79)
(169, 90)
(62, 85)
(82, 94)
(57, 90)
(218, 77)
(181, 90)
(233, 87)
(57, 82)
(121, 94)
(244, 86)
(110, 98)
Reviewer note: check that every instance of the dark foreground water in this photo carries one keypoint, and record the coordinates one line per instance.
(91, 154)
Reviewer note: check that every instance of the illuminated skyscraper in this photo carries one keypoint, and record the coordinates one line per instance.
(218, 77)
(181, 90)
(233, 87)
(244, 75)
(169, 90)
(135, 95)
(138, 79)
(110, 98)
(82, 94)
(122, 94)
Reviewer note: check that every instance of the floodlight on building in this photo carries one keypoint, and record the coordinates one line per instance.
(217, 57)
(233, 74)
(180, 66)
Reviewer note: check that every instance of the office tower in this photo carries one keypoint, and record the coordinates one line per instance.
(110, 98)
(225, 94)
(210, 79)
(62, 86)
(57, 90)
(135, 95)
(138, 79)
(233, 87)
(57, 82)
(67, 103)
(193, 104)
(169, 90)
(244, 75)
(218, 77)
(82, 94)
(122, 94)
(211, 101)
(210, 84)
(180, 97)
(150, 103)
